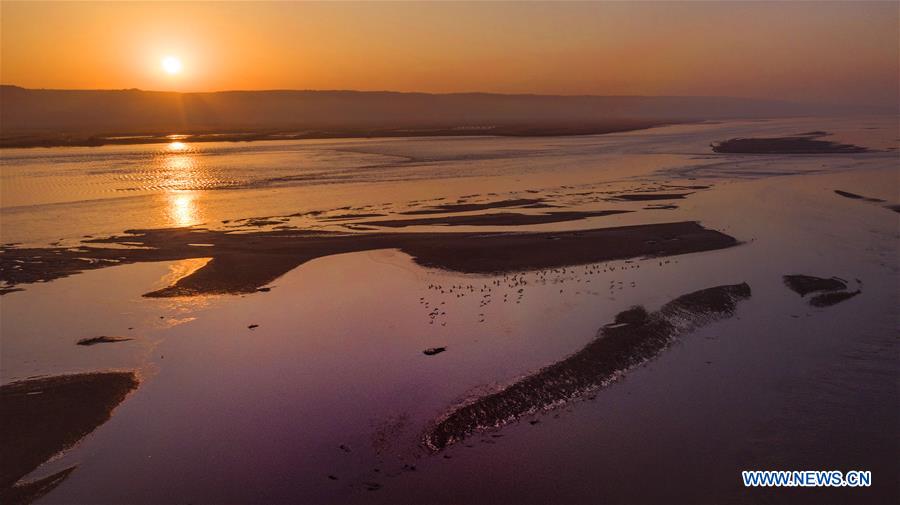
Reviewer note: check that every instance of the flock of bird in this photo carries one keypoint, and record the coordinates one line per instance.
(512, 288)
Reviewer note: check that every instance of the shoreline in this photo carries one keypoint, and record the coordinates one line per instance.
(385, 344)
(246, 262)
(65, 139)
(34, 431)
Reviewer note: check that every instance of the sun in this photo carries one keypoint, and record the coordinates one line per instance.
(171, 65)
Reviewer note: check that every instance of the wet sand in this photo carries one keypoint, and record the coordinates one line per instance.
(807, 143)
(847, 194)
(496, 219)
(829, 291)
(633, 338)
(829, 299)
(103, 339)
(650, 197)
(31, 491)
(42, 417)
(243, 263)
(869, 199)
(327, 364)
(806, 284)
(466, 207)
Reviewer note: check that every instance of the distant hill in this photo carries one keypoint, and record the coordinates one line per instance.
(78, 114)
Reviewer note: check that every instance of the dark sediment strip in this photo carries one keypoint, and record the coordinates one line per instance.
(29, 492)
(241, 263)
(343, 217)
(805, 284)
(103, 339)
(833, 298)
(42, 417)
(261, 222)
(510, 252)
(466, 207)
(541, 205)
(643, 197)
(799, 144)
(854, 196)
(233, 273)
(831, 291)
(635, 337)
(496, 219)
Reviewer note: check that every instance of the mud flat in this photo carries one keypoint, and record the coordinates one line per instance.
(465, 207)
(854, 196)
(831, 291)
(832, 298)
(806, 143)
(633, 338)
(103, 339)
(42, 417)
(645, 197)
(242, 263)
(806, 284)
(759, 389)
(496, 219)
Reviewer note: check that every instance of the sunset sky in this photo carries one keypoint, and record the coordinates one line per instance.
(811, 51)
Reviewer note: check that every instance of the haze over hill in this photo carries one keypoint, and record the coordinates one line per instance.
(40, 117)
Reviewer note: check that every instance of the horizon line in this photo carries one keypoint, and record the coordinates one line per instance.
(347, 90)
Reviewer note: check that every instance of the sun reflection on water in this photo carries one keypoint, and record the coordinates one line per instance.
(183, 208)
(182, 309)
(180, 164)
(177, 167)
(177, 176)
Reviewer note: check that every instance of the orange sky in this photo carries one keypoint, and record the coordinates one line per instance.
(820, 51)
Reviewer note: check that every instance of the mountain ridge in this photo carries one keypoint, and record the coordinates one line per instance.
(80, 114)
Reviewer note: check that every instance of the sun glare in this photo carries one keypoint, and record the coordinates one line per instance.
(171, 65)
